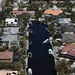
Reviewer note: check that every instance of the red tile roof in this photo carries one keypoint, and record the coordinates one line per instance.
(18, 12)
(53, 12)
(69, 49)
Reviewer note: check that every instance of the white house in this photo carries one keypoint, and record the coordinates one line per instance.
(11, 21)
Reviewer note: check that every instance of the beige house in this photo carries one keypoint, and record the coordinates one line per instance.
(6, 57)
(3, 72)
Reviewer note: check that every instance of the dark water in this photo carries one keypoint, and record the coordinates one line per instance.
(41, 63)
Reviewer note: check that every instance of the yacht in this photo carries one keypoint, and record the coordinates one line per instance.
(29, 71)
(50, 52)
(47, 40)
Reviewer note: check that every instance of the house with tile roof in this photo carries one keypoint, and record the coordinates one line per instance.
(68, 51)
(10, 36)
(67, 29)
(68, 38)
(54, 11)
(6, 56)
(8, 72)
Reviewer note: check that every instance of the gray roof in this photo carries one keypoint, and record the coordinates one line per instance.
(11, 30)
(64, 21)
(67, 28)
(68, 38)
(9, 38)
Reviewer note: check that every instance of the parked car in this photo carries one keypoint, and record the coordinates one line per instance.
(29, 71)
(50, 52)
(29, 54)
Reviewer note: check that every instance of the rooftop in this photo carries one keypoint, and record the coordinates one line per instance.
(68, 38)
(69, 49)
(5, 56)
(54, 11)
(4, 72)
(18, 12)
(67, 29)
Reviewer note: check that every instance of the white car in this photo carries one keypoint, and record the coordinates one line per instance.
(29, 71)
(50, 52)
(29, 54)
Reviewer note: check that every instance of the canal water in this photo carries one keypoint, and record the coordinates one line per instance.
(41, 63)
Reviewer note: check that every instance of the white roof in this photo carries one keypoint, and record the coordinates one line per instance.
(64, 20)
(11, 20)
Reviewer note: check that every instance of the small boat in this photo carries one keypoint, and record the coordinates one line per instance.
(29, 71)
(45, 41)
(50, 52)
(29, 54)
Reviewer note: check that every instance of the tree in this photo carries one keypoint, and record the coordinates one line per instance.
(17, 66)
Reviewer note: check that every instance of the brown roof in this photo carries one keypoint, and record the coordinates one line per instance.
(18, 12)
(53, 12)
(40, 2)
(4, 72)
(6, 56)
(67, 29)
(69, 49)
(68, 38)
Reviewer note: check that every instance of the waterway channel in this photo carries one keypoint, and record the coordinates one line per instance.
(41, 63)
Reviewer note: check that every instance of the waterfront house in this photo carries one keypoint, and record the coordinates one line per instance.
(67, 29)
(63, 21)
(8, 72)
(68, 38)
(11, 22)
(10, 36)
(6, 56)
(68, 51)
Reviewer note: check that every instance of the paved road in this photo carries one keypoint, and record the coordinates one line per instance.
(41, 63)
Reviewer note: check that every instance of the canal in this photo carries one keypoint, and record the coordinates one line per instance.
(41, 63)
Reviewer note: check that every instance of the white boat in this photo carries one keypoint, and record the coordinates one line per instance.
(29, 54)
(50, 52)
(45, 41)
(29, 71)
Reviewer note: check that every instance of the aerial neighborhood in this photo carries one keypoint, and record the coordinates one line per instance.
(37, 37)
